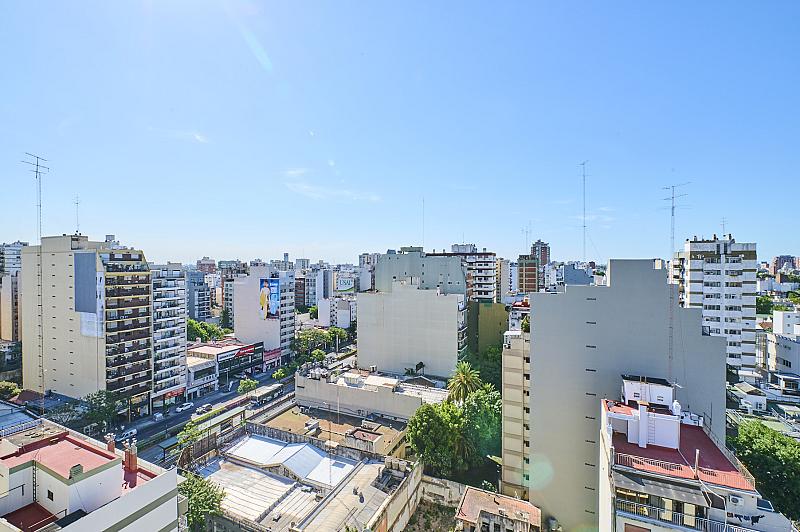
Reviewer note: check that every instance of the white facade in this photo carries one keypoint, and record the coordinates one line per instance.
(250, 325)
(314, 286)
(407, 325)
(9, 307)
(337, 312)
(481, 270)
(719, 277)
(11, 257)
(448, 274)
(579, 347)
(785, 321)
(169, 333)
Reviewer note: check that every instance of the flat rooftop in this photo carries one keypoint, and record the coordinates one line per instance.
(474, 501)
(192, 362)
(59, 454)
(332, 426)
(714, 466)
(30, 518)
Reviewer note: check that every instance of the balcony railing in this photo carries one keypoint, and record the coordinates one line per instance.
(127, 303)
(127, 268)
(119, 281)
(122, 350)
(117, 316)
(113, 386)
(128, 370)
(691, 522)
(130, 392)
(117, 361)
(736, 479)
(116, 338)
(116, 327)
(127, 292)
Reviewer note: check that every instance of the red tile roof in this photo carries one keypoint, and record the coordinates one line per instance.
(476, 501)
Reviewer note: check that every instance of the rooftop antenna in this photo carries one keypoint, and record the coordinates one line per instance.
(583, 174)
(671, 198)
(724, 223)
(77, 218)
(38, 169)
(527, 232)
(423, 223)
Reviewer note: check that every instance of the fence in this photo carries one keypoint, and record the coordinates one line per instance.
(675, 518)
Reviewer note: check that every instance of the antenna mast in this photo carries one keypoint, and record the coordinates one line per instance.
(38, 170)
(671, 350)
(77, 218)
(583, 173)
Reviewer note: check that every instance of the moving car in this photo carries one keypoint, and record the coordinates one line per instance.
(127, 435)
(184, 407)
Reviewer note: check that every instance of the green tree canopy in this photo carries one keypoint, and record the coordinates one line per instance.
(204, 499)
(8, 389)
(764, 305)
(203, 331)
(464, 381)
(101, 407)
(488, 363)
(225, 319)
(352, 330)
(313, 312)
(247, 386)
(317, 355)
(337, 333)
(774, 461)
(430, 435)
(526, 324)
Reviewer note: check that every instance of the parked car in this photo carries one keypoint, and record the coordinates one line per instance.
(241, 376)
(127, 435)
(158, 416)
(184, 407)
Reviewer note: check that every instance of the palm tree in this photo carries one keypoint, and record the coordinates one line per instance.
(464, 381)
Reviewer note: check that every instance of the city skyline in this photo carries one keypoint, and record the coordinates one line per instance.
(251, 130)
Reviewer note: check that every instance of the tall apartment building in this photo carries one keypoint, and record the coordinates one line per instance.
(93, 325)
(11, 257)
(169, 333)
(281, 265)
(301, 264)
(314, 285)
(578, 349)
(448, 274)
(408, 327)
(368, 260)
(481, 271)
(229, 271)
(661, 468)
(198, 296)
(207, 265)
(502, 272)
(541, 252)
(719, 277)
(264, 310)
(780, 261)
(528, 273)
(10, 266)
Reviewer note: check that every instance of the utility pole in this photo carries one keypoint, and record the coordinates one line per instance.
(671, 198)
(583, 174)
(38, 169)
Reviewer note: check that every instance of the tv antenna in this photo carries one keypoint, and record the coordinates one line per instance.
(583, 174)
(724, 225)
(526, 231)
(39, 169)
(671, 198)
(77, 218)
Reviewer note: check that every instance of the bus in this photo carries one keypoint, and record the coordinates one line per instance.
(265, 394)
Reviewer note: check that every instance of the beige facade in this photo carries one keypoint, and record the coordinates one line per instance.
(516, 373)
(581, 341)
(95, 323)
(9, 307)
(406, 326)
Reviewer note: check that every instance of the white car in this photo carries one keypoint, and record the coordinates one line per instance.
(184, 407)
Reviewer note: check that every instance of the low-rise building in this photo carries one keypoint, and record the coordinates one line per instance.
(231, 358)
(201, 377)
(661, 468)
(337, 311)
(485, 511)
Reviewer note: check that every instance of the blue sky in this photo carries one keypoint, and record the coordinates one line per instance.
(245, 129)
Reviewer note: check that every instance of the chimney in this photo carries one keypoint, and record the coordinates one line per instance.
(643, 424)
(130, 463)
(696, 462)
(110, 446)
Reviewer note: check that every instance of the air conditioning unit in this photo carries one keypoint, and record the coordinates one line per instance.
(735, 499)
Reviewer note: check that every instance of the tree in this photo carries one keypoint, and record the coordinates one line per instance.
(352, 330)
(464, 381)
(225, 319)
(194, 331)
(526, 324)
(313, 312)
(774, 461)
(482, 412)
(8, 389)
(337, 333)
(101, 408)
(317, 355)
(279, 374)
(247, 386)
(430, 436)
(764, 305)
(189, 434)
(204, 499)
(488, 363)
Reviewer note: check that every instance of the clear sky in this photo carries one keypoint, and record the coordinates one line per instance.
(245, 129)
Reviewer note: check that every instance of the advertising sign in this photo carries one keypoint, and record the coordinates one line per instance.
(345, 284)
(269, 298)
(245, 351)
(272, 354)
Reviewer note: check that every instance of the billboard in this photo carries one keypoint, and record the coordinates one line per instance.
(345, 284)
(269, 298)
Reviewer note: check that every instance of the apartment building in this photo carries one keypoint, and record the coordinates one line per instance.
(198, 296)
(408, 327)
(337, 311)
(719, 277)
(528, 273)
(169, 333)
(661, 468)
(264, 309)
(10, 266)
(783, 261)
(229, 271)
(581, 340)
(91, 329)
(314, 285)
(301, 264)
(54, 478)
(541, 252)
(447, 273)
(785, 321)
(11, 257)
(481, 271)
(502, 273)
(206, 265)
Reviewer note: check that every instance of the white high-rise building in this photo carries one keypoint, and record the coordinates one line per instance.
(11, 257)
(578, 347)
(481, 270)
(169, 333)
(719, 277)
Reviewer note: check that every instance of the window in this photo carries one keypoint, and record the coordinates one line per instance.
(50, 495)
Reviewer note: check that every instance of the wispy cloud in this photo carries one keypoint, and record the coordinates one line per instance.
(295, 172)
(595, 217)
(321, 192)
(190, 135)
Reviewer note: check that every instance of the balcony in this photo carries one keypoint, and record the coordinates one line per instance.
(127, 292)
(119, 316)
(116, 338)
(130, 392)
(128, 370)
(651, 514)
(119, 385)
(117, 361)
(117, 268)
(121, 349)
(119, 281)
(128, 303)
(116, 327)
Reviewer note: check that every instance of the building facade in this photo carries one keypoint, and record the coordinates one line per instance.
(448, 274)
(87, 320)
(578, 348)
(541, 252)
(198, 296)
(528, 274)
(481, 270)
(719, 277)
(206, 265)
(169, 333)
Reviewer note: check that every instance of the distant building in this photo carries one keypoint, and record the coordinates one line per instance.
(502, 272)
(782, 261)
(301, 264)
(229, 271)
(169, 333)
(11, 258)
(299, 289)
(231, 358)
(719, 276)
(10, 267)
(410, 328)
(661, 467)
(198, 295)
(481, 510)
(481, 270)
(447, 273)
(207, 265)
(528, 272)
(265, 310)
(337, 311)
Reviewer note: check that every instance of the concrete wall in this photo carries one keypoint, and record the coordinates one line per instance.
(447, 273)
(442, 491)
(9, 324)
(582, 340)
(398, 329)
(487, 323)
(248, 326)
